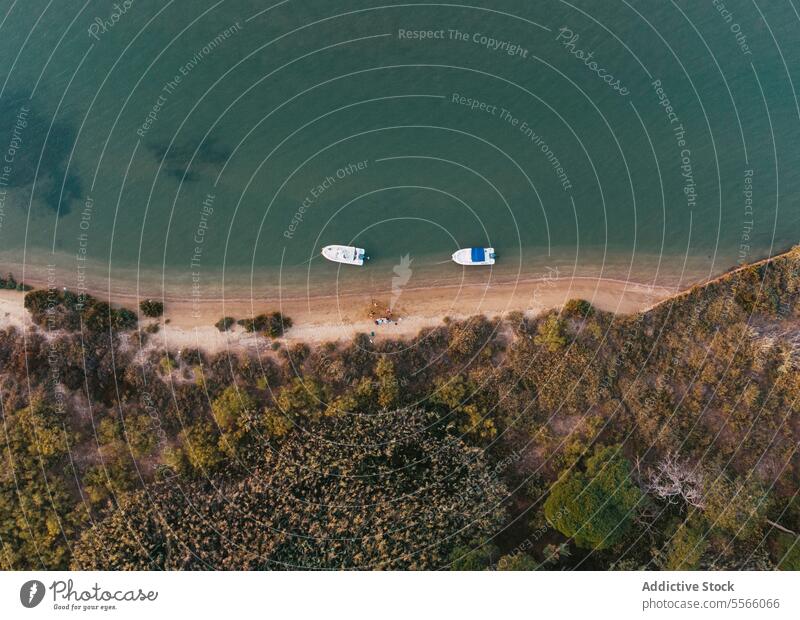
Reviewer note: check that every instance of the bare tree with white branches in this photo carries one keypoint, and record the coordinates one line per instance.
(673, 480)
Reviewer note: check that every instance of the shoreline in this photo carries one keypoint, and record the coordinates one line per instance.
(340, 307)
(324, 279)
(327, 318)
(189, 322)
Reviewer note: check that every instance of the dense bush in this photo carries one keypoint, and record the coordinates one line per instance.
(9, 282)
(225, 323)
(36, 503)
(273, 325)
(579, 308)
(392, 491)
(61, 309)
(151, 308)
(595, 506)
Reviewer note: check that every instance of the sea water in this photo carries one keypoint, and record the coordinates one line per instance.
(219, 147)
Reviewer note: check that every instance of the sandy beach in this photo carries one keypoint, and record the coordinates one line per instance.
(190, 323)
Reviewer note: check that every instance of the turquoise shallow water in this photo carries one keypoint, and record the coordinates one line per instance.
(208, 139)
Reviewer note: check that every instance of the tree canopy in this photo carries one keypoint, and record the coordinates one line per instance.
(595, 505)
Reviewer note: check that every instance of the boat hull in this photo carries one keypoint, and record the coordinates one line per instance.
(344, 254)
(467, 256)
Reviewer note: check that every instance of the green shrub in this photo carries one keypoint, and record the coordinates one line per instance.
(151, 308)
(578, 308)
(167, 364)
(479, 557)
(787, 552)
(517, 562)
(595, 506)
(272, 325)
(550, 334)
(225, 323)
(61, 309)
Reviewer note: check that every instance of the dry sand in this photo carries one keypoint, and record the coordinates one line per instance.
(332, 318)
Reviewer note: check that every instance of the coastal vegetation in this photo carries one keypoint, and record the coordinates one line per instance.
(576, 439)
(272, 325)
(225, 323)
(57, 309)
(10, 282)
(403, 465)
(151, 308)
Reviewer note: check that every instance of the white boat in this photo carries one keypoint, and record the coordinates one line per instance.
(346, 254)
(475, 256)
